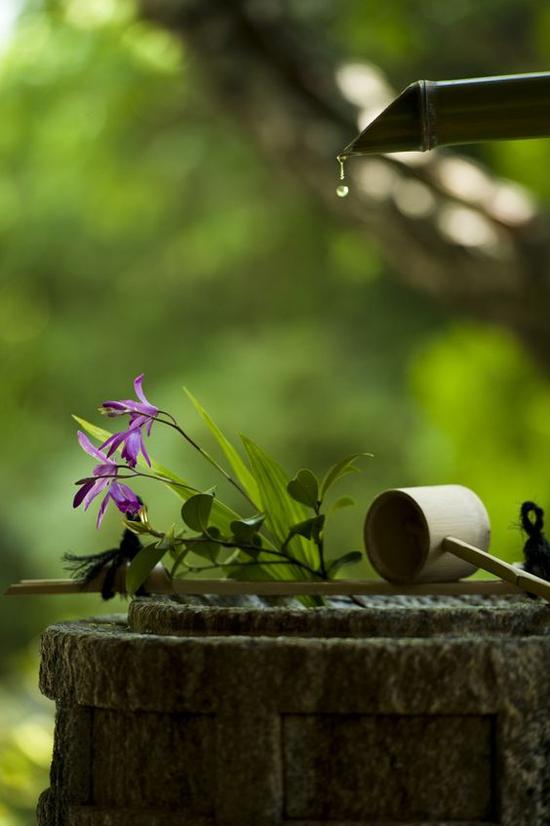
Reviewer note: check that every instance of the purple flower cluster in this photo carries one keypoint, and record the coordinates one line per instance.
(104, 476)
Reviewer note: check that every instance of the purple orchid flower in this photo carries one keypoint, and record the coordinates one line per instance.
(124, 497)
(133, 445)
(141, 412)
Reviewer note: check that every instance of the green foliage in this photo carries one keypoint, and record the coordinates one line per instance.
(247, 530)
(304, 488)
(247, 547)
(280, 509)
(338, 470)
(240, 469)
(196, 511)
(143, 563)
(351, 558)
(309, 528)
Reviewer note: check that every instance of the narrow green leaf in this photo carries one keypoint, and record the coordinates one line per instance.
(97, 432)
(281, 510)
(304, 488)
(142, 564)
(343, 502)
(340, 469)
(351, 558)
(241, 471)
(195, 512)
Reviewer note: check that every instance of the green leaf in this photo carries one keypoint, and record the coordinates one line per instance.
(309, 528)
(245, 530)
(142, 564)
(340, 469)
(97, 432)
(206, 550)
(343, 502)
(196, 511)
(304, 488)
(281, 510)
(351, 558)
(241, 471)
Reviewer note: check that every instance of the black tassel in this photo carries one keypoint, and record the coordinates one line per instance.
(88, 567)
(536, 549)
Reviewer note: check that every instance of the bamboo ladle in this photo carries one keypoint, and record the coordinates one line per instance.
(437, 534)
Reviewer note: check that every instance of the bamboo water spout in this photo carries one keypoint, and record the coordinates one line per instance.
(441, 113)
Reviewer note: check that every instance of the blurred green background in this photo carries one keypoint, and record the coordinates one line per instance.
(142, 231)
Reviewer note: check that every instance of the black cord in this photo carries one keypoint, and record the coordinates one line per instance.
(536, 550)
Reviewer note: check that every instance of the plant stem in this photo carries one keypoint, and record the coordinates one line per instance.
(319, 541)
(197, 568)
(253, 549)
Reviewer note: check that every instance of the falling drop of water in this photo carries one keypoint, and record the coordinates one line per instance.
(342, 190)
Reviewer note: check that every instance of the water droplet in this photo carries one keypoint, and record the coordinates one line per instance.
(341, 160)
(342, 190)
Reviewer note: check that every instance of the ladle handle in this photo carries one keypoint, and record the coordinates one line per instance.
(487, 562)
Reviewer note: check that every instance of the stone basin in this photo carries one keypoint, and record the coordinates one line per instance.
(409, 710)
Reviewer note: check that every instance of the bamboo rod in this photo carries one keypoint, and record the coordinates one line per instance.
(515, 576)
(226, 587)
(342, 588)
(442, 113)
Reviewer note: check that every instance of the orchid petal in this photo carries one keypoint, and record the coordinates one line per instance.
(98, 486)
(124, 498)
(138, 419)
(113, 442)
(90, 449)
(138, 388)
(133, 405)
(102, 509)
(108, 469)
(147, 407)
(144, 450)
(114, 408)
(132, 446)
(87, 485)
